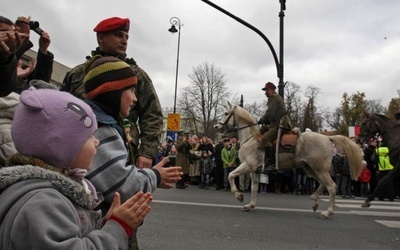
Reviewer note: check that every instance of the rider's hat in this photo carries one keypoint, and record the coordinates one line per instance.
(269, 85)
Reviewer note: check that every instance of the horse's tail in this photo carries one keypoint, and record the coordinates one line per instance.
(347, 147)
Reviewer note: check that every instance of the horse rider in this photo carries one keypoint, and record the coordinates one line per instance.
(276, 110)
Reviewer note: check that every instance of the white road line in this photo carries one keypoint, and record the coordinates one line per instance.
(358, 201)
(372, 206)
(389, 223)
(375, 213)
(240, 207)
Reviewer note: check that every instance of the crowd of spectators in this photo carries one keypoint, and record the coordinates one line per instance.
(291, 181)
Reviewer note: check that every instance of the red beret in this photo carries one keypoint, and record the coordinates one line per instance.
(269, 85)
(112, 23)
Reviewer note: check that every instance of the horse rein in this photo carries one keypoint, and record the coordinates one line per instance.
(225, 124)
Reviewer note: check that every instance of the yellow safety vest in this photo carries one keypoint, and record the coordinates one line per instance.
(384, 161)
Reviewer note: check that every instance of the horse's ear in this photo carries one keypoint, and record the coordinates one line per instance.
(366, 114)
(229, 105)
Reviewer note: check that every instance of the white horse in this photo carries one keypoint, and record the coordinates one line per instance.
(313, 152)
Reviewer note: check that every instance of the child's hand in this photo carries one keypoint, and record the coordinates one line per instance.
(133, 211)
(170, 175)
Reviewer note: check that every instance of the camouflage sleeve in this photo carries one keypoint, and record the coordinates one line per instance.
(147, 113)
(73, 82)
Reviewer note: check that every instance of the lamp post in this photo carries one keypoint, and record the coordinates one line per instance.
(278, 63)
(176, 21)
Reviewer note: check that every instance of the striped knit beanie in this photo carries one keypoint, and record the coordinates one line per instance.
(106, 78)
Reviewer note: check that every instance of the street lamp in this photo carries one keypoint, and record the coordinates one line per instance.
(176, 21)
(278, 62)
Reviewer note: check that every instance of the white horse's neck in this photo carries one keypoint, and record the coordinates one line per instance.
(244, 126)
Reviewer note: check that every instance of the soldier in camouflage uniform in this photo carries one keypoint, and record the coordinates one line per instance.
(146, 117)
(275, 112)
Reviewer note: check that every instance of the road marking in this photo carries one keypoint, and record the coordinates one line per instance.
(389, 223)
(375, 210)
(372, 206)
(240, 207)
(376, 213)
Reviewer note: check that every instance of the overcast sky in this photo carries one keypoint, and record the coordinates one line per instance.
(336, 45)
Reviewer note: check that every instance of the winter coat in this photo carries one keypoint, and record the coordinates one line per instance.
(365, 175)
(42, 209)
(228, 155)
(182, 158)
(110, 170)
(346, 166)
(337, 164)
(206, 165)
(8, 75)
(8, 105)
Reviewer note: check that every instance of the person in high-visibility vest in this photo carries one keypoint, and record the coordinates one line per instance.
(384, 166)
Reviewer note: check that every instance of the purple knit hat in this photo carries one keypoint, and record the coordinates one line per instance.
(52, 125)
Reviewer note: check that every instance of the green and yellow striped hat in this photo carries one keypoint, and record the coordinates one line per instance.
(105, 74)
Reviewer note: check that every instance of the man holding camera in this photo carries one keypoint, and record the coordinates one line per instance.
(44, 60)
(10, 41)
(112, 38)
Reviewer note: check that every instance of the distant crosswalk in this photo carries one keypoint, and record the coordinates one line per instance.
(386, 209)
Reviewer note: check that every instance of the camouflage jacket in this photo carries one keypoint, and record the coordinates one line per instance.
(146, 117)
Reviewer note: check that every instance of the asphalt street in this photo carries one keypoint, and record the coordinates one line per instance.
(208, 219)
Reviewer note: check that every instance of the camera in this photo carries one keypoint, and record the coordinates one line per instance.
(172, 160)
(34, 25)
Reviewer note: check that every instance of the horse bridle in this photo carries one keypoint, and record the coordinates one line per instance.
(234, 128)
(368, 133)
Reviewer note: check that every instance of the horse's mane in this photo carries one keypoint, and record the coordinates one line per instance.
(248, 118)
(385, 119)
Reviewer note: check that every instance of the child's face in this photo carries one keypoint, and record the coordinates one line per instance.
(86, 155)
(128, 101)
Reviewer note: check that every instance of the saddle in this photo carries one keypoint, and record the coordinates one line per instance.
(288, 141)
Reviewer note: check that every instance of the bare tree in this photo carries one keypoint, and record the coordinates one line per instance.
(201, 102)
(255, 109)
(375, 106)
(311, 117)
(293, 102)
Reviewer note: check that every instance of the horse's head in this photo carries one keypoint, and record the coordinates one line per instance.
(370, 127)
(228, 119)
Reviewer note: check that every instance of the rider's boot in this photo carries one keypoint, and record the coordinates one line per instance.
(269, 159)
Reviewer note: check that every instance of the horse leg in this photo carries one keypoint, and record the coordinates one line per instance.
(315, 196)
(326, 181)
(254, 190)
(332, 198)
(231, 178)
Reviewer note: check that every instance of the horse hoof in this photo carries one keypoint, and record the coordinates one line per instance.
(315, 207)
(366, 203)
(240, 198)
(323, 216)
(245, 209)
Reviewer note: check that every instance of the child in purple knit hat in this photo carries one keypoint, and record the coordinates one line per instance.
(46, 201)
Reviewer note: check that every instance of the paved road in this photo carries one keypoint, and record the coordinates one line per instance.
(210, 219)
